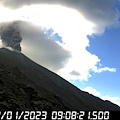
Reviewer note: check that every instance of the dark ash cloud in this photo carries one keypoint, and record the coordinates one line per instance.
(10, 35)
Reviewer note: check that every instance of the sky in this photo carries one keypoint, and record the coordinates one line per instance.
(77, 39)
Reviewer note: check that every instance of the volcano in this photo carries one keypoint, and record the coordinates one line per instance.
(26, 85)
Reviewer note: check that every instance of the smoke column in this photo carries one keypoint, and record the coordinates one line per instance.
(10, 35)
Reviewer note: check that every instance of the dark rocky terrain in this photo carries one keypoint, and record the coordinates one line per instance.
(25, 85)
(17, 92)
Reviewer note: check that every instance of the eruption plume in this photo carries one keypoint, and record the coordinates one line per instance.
(10, 35)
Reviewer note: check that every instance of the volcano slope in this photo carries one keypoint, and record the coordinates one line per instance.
(25, 85)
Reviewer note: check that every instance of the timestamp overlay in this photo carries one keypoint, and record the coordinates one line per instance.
(60, 115)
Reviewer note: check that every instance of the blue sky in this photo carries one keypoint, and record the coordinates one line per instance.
(78, 40)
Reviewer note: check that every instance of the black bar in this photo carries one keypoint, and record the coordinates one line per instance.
(114, 115)
(61, 115)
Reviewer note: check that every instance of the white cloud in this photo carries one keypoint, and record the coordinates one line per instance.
(115, 100)
(110, 98)
(92, 91)
(99, 70)
(73, 20)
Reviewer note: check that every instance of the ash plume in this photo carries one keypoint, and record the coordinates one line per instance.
(10, 35)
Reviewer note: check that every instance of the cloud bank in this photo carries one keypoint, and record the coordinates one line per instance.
(101, 12)
(41, 48)
(64, 50)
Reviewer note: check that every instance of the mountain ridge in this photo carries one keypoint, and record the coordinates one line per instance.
(61, 91)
